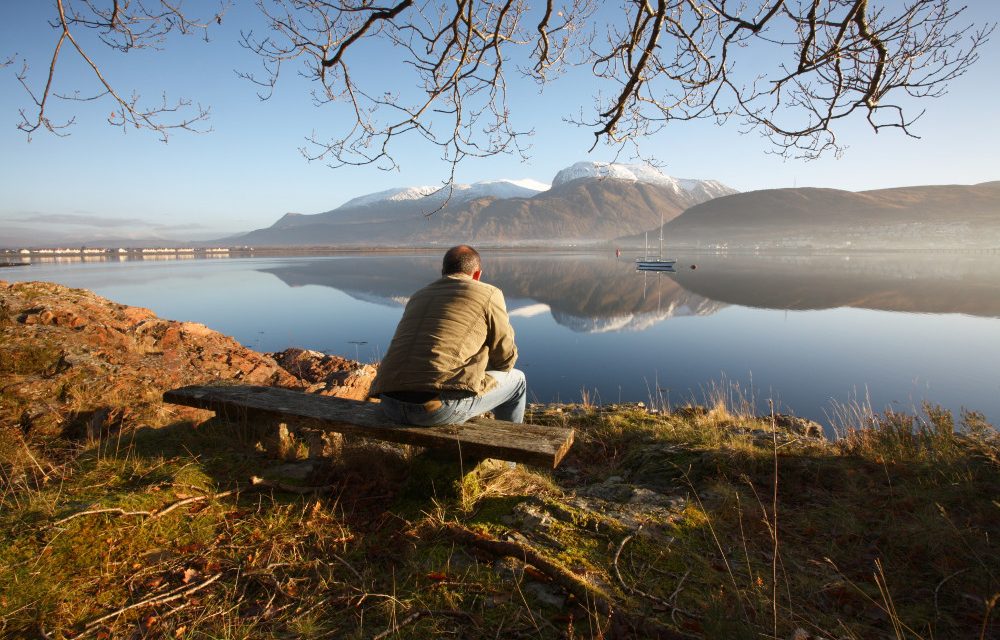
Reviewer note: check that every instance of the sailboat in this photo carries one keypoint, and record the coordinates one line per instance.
(658, 263)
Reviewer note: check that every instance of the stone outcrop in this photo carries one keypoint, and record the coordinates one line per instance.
(328, 375)
(69, 357)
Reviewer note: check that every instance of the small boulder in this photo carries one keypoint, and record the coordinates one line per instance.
(797, 425)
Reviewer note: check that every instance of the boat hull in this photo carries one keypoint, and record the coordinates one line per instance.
(655, 265)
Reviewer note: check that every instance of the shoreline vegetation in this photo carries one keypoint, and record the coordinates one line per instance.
(123, 517)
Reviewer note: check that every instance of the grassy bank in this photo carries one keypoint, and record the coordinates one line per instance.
(122, 517)
(696, 524)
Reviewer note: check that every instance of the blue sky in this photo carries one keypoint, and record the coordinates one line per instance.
(248, 171)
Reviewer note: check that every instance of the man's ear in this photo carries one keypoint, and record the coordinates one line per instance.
(478, 274)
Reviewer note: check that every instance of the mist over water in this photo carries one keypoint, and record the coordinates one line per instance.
(806, 331)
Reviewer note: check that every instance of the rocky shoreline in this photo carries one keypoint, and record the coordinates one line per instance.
(57, 339)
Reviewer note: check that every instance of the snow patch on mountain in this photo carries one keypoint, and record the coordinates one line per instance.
(524, 188)
(390, 195)
(640, 173)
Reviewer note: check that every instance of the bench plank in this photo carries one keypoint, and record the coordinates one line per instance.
(480, 437)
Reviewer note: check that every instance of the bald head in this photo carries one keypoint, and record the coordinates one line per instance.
(461, 259)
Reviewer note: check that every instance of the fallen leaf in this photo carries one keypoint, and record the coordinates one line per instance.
(437, 576)
(189, 575)
(153, 582)
(149, 621)
(191, 547)
(179, 631)
(212, 566)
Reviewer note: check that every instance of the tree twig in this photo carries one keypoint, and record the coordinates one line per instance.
(417, 615)
(668, 604)
(170, 596)
(115, 510)
(159, 513)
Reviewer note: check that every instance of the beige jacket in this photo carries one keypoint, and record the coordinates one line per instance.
(451, 332)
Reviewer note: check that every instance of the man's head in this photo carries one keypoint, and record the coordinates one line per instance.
(462, 259)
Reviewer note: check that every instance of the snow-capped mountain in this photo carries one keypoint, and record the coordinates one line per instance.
(641, 173)
(582, 206)
(398, 194)
(525, 188)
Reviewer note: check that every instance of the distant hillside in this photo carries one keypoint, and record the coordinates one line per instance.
(589, 202)
(945, 216)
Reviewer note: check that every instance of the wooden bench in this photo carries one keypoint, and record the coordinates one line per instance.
(477, 438)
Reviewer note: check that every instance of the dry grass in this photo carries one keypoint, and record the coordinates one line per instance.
(129, 530)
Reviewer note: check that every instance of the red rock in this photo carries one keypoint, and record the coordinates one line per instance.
(196, 329)
(100, 339)
(170, 339)
(135, 315)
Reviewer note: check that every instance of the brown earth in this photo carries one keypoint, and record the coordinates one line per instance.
(70, 359)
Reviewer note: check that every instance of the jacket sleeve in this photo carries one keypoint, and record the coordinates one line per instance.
(499, 335)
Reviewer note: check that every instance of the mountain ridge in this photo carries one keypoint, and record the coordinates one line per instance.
(939, 216)
(587, 203)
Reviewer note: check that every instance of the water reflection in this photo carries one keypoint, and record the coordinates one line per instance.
(595, 294)
(586, 293)
(931, 283)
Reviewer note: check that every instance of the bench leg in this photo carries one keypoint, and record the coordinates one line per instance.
(279, 442)
(321, 444)
(291, 442)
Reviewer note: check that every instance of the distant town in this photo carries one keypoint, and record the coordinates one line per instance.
(119, 253)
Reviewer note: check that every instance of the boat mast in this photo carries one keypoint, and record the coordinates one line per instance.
(661, 234)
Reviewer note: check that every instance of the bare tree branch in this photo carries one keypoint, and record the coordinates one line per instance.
(125, 25)
(790, 70)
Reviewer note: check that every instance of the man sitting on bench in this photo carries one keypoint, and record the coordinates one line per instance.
(453, 352)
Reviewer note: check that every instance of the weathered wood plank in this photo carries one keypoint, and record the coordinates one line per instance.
(530, 444)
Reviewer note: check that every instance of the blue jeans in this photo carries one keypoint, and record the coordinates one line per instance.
(507, 400)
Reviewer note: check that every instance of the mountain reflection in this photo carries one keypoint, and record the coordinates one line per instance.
(927, 283)
(596, 293)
